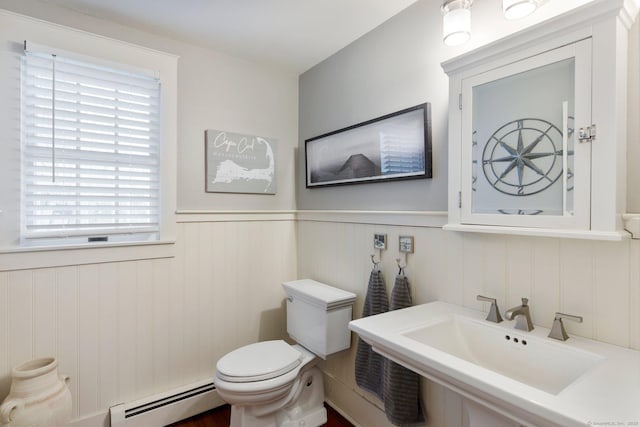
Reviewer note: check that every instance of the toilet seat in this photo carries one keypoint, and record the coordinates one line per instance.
(258, 362)
(265, 395)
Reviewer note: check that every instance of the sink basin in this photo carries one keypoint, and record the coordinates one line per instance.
(525, 359)
(527, 377)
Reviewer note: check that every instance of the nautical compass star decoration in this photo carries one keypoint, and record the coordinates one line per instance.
(524, 157)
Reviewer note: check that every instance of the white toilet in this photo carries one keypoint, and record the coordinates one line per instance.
(274, 384)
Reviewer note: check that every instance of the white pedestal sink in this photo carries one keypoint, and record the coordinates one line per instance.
(524, 376)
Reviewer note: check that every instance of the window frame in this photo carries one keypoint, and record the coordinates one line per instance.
(74, 180)
(15, 29)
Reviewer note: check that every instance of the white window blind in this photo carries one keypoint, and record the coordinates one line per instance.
(90, 151)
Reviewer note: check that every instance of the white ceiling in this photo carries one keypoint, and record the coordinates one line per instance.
(296, 34)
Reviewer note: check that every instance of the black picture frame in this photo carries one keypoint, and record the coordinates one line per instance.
(395, 146)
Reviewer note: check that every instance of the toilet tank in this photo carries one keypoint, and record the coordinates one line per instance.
(318, 316)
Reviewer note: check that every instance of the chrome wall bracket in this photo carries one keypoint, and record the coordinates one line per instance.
(587, 134)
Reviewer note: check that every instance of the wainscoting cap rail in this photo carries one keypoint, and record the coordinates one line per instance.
(431, 219)
(233, 212)
(234, 216)
(632, 224)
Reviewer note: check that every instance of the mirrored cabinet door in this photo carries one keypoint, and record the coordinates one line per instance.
(522, 161)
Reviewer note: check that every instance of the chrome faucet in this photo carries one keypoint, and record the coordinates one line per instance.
(522, 316)
(494, 312)
(557, 331)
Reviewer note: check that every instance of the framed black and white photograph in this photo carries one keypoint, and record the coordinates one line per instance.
(396, 146)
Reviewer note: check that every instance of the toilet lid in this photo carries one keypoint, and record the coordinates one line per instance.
(257, 362)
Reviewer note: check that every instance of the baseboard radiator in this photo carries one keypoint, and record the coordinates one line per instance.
(166, 408)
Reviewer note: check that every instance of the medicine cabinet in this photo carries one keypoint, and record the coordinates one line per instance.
(537, 128)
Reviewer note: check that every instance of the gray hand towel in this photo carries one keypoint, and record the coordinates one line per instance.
(402, 402)
(369, 364)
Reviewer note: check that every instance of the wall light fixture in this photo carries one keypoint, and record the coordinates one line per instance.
(516, 9)
(456, 17)
(456, 21)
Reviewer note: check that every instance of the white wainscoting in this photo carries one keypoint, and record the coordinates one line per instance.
(597, 280)
(125, 330)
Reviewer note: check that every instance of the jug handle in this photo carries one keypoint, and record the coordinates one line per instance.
(9, 408)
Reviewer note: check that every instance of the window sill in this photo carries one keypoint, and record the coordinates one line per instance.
(60, 256)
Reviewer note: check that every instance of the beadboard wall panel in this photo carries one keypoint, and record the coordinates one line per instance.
(597, 280)
(4, 331)
(126, 330)
(634, 299)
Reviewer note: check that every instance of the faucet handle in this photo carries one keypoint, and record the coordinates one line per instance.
(525, 301)
(494, 312)
(557, 330)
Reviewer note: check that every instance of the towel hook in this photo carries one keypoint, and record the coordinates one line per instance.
(375, 263)
(405, 245)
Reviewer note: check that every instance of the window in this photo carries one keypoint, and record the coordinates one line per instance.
(90, 152)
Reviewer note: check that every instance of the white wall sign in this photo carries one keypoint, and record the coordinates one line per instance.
(237, 163)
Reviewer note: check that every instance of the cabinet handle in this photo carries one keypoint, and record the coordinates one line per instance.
(565, 154)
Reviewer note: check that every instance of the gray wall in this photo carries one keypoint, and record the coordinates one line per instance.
(395, 66)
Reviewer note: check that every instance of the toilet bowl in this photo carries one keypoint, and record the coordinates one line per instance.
(275, 384)
(272, 388)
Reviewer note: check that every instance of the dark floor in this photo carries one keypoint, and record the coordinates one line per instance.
(219, 417)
